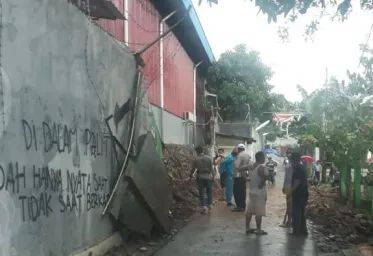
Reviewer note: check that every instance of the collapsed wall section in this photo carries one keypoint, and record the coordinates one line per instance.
(61, 77)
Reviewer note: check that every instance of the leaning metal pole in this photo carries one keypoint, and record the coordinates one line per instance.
(134, 112)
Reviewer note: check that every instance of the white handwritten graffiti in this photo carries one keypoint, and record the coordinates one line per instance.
(7, 223)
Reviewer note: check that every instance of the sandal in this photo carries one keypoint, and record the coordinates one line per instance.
(260, 232)
(285, 225)
(250, 231)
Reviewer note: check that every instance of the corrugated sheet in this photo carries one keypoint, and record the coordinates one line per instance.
(143, 22)
(114, 27)
(178, 77)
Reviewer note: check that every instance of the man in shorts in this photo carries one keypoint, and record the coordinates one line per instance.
(271, 165)
(257, 195)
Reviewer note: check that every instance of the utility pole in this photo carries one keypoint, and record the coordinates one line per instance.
(213, 130)
(322, 148)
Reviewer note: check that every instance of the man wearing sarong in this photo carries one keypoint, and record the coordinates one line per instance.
(257, 194)
(286, 190)
(299, 189)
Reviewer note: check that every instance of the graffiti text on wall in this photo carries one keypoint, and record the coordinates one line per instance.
(43, 190)
(62, 138)
(62, 190)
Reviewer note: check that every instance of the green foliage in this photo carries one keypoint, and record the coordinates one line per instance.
(273, 131)
(291, 10)
(338, 119)
(240, 77)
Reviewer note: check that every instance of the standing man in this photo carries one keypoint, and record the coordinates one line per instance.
(239, 184)
(286, 190)
(333, 170)
(336, 178)
(205, 175)
(299, 188)
(271, 165)
(217, 160)
(316, 172)
(227, 167)
(257, 195)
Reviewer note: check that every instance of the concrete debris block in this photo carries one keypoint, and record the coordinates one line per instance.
(178, 160)
(143, 249)
(336, 226)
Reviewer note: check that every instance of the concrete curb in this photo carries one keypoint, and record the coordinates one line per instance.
(352, 252)
(101, 247)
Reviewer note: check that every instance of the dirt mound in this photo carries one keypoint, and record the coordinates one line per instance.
(338, 225)
(178, 160)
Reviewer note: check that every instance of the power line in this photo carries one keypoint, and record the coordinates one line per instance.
(148, 10)
(137, 23)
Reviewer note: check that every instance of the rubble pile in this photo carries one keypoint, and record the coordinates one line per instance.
(178, 160)
(336, 225)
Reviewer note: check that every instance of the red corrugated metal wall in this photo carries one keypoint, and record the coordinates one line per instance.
(114, 27)
(178, 77)
(143, 22)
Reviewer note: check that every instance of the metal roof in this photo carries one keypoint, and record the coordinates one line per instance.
(190, 32)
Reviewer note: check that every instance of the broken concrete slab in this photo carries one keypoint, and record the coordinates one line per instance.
(149, 180)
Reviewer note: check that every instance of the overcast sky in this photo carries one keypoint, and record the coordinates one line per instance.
(335, 45)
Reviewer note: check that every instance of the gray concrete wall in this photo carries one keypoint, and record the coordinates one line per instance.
(176, 131)
(236, 129)
(258, 145)
(61, 76)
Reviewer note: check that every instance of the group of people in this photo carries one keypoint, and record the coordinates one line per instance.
(236, 170)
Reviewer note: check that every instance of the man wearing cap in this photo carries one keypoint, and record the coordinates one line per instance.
(239, 185)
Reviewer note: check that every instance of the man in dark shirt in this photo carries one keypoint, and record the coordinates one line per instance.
(205, 174)
(299, 186)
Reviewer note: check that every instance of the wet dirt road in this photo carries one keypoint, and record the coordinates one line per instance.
(223, 233)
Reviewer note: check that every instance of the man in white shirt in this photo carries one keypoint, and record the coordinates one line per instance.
(257, 195)
(239, 186)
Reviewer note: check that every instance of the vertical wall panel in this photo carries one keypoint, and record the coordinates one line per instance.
(178, 77)
(144, 21)
(114, 27)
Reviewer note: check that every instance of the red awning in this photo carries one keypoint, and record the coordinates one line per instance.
(281, 117)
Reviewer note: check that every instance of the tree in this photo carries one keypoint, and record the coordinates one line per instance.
(291, 10)
(339, 117)
(280, 103)
(240, 77)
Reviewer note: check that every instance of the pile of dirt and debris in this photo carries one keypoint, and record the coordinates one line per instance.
(178, 160)
(337, 226)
